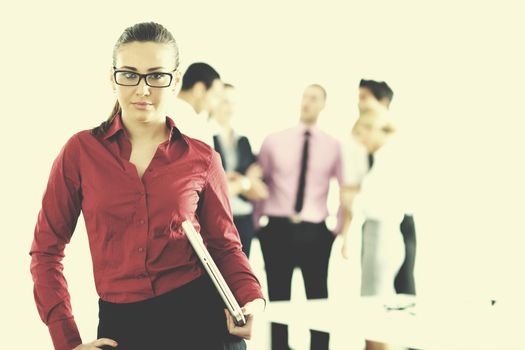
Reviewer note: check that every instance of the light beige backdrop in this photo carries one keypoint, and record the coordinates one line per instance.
(456, 69)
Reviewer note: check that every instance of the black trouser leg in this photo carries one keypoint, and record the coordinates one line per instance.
(314, 243)
(404, 281)
(276, 246)
(244, 225)
(284, 246)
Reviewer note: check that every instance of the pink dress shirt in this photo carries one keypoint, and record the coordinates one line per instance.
(280, 159)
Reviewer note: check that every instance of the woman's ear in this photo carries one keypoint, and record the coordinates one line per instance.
(111, 79)
(199, 89)
(176, 80)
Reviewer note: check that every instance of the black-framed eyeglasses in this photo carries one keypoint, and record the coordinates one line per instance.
(130, 78)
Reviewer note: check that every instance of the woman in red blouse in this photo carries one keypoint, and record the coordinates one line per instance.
(135, 178)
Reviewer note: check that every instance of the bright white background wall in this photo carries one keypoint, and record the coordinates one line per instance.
(456, 68)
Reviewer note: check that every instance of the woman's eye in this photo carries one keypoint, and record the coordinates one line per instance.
(157, 76)
(130, 75)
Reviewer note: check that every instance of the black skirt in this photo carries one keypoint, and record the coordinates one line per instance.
(189, 317)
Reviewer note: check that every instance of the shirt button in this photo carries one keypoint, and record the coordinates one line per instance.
(141, 221)
(150, 169)
(141, 249)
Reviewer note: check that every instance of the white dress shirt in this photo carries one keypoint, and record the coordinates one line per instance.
(385, 193)
(192, 124)
(381, 205)
(355, 161)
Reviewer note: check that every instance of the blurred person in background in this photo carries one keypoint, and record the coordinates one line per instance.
(298, 164)
(377, 95)
(243, 173)
(355, 167)
(379, 207)
(374, 95)
(200, 92)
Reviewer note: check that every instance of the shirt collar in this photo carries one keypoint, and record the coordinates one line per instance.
(174, 131)
(302, 128)
(117, 125)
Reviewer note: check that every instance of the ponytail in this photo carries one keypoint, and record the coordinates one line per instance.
(104, 126)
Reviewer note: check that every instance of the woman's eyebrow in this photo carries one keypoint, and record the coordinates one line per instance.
(135, 69)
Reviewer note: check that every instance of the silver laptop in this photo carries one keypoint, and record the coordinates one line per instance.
(215, 275)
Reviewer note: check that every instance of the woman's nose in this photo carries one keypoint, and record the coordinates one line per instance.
(143, 88)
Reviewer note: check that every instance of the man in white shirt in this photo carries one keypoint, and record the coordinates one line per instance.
(201, 89)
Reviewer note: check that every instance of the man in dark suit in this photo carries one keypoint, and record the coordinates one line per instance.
(238, 160)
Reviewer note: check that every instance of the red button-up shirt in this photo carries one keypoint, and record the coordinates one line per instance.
(134, 225)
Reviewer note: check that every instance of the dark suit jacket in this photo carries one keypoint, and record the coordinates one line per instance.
(244, 153)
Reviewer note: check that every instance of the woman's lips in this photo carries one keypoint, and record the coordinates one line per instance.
(142, 105)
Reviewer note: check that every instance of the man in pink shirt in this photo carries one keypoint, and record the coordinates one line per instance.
(298, 164)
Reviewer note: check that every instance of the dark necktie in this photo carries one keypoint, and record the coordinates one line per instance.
(370, 160)
(302, 177)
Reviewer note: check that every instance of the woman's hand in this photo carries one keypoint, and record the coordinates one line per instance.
(96, 344)
(249, 310)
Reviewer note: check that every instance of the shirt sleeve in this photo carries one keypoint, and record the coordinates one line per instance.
(354, 163)
(56, 222)
(337, 172)
(264, 161)
(222, 238)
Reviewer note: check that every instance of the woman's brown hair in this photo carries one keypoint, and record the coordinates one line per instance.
(142, 32)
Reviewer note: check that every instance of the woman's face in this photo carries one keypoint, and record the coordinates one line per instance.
(369, 135)
(142, 102)
(223, 110)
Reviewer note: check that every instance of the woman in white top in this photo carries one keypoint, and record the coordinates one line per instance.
(378, 208)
